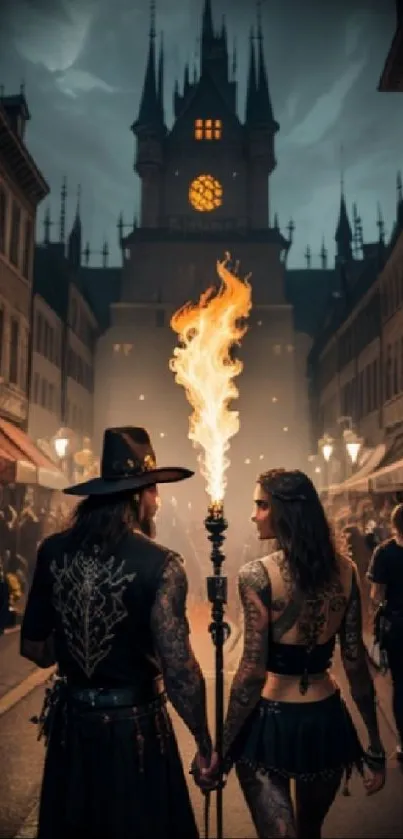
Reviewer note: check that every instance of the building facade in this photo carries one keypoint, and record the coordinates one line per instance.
(64, 336)
(356, 362)
(391, 80)
(22, 188)
(205, 191)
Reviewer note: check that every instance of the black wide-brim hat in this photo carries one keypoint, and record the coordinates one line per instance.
(128, 462)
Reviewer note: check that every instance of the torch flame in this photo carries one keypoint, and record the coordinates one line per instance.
(203, 366)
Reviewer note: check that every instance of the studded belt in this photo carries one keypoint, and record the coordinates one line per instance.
(98, 697)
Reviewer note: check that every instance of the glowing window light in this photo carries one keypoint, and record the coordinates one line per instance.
(205, 193)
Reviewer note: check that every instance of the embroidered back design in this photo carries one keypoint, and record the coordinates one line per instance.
(88, 595)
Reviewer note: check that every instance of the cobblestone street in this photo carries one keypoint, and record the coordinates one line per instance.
(350, 818)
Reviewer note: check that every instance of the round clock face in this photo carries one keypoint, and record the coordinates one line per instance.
(205, 193)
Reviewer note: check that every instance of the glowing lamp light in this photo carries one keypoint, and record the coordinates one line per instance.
(274, 399)
(162, 434)
(247, 461)
(61, 446)
(327, 451)
(261, 457)
(353, 451)
(141, 397)
(317, 470)
(285, 428)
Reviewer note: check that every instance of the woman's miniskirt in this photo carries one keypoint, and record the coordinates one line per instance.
(303, 740)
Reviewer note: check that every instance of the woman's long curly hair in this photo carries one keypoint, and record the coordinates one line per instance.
(102, 520)
(301, 529)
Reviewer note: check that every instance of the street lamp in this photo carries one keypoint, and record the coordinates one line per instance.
(326, 445)
(353, 444)
(61, 442)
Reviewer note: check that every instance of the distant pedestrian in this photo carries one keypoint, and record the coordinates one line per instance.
(386, 576)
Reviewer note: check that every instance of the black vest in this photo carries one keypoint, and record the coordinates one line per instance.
(101, 607)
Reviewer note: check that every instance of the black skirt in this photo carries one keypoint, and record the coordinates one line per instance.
(113, 774)
(302, 740)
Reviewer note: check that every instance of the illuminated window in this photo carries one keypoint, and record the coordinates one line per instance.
(205, 193)
(208, 129)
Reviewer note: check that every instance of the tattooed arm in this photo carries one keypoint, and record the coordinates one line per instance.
(183, 678)
(355, 663)
(249, 679)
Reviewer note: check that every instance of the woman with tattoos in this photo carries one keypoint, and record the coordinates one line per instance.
(286, 718)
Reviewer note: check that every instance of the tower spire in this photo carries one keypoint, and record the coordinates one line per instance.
(251, 84)
(150, 112)
(264, 105)
(207, 22)
(47, 223)
(234, 65)
(62, 223)
(343, 236)
(75, 238)
(161, 74)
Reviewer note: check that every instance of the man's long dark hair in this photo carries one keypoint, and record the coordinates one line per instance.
(102, 520)
(301, 529)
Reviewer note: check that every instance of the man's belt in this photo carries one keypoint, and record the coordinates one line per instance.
(131, 696)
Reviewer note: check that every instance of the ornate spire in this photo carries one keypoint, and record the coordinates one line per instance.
(234, 65)
(251, 85)
(264, 105)
(380, 225)
(62, 222)
(120, 226)
(87, 254)
(323, 255)
(207, 22)
(186, 80)
(105, 254)
(150, 114)
(291, 228)
(47, 224)
(308, 257)
(75, 238)
(161, 74)
(358, 239)
(343, 236)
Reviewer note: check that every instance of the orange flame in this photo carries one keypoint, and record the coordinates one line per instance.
(203, 366)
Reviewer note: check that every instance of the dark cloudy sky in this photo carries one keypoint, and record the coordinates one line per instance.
(83, 63)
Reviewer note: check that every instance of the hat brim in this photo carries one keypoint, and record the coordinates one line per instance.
(102, 486)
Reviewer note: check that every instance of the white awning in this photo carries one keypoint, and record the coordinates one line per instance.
(388, 479)
(52, 478)
(361, 481)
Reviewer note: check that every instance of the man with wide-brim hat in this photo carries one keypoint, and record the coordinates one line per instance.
(108, 605)
(128, 463)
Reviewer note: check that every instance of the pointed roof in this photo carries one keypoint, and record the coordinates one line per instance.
(263, 100)
(207, 21)
(160, 90)
(150, 113)
(344, 235)
(252, 83)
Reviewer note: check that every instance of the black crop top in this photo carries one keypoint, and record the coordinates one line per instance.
(298, 660)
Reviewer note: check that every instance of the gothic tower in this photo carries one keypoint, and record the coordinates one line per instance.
(204, 192)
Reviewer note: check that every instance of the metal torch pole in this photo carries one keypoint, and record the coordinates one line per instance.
(216, 525)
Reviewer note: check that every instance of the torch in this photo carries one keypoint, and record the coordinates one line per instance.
(204, 365)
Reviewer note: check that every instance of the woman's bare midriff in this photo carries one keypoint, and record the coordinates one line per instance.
(281, 688)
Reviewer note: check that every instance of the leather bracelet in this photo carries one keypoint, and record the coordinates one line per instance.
(376, 761)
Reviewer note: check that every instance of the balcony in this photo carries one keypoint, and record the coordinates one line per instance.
(13, 403)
